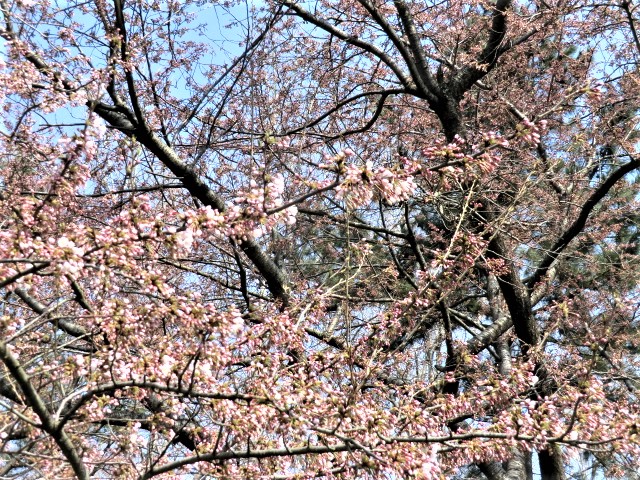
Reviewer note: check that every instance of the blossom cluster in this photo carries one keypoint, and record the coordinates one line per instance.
(361, 184)
(530, 131)
(249, 214)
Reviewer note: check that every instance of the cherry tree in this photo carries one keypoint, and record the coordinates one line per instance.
(341, 239)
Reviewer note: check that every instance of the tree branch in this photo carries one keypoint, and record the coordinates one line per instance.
(32, 398)
(578, 225)
(351, 40)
